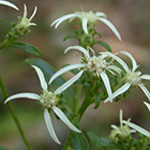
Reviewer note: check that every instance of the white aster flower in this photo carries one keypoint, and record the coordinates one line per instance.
(26, 22)
(88, 19)
(137, 128)
(49, 100)
(9, 4)
(97, 65)
(123, 131)
(132, 78)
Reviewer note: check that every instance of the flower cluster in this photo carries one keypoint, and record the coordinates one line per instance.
(104, 67)
(50, 101)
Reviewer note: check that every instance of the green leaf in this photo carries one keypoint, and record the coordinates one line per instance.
(1, 148)
(79, 141)
(100, 142)
(48, 71)
(105, 45)
(70, 37)
(26, 47)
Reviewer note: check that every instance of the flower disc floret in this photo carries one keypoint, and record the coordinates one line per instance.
(133, 78)
(96, 65)
(48, 99)
(90, 16)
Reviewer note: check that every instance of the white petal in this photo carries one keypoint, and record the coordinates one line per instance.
(115, 68)
(84, 25)
(3, 2)
(111, 26)
(50, 127)
(68, 83)
(101, 14)
(65, 69)
(145, 90)
(119, 60)
(34, 12)
(23, 95)
(25, 11)
(107, 84)
(79, 48)
(134, 64)
(137, 128)
(61, 19)
(145, 77)
(148, 105)
(41, 77)
(121, 90)
(62, 116)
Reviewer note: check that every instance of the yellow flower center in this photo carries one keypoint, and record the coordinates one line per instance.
(48, 99)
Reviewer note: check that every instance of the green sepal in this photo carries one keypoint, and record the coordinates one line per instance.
(70, 37)
(105, 45)
(26, 47)
(48, 71)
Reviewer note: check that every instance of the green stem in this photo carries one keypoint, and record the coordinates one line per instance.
(87, 101)
(3, 44)
(14, 115)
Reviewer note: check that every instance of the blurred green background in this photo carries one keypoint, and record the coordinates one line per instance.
(132, 19)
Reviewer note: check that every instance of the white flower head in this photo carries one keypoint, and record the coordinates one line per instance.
(26, 22)
(49, 100)
(96, 65)
(123, 131)
(88, 19)
(132, 78)
(9, 4)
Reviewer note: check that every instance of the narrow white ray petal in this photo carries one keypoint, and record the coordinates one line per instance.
(84, 25)
(121, 90)
(145, 77)
(50, 127)
(119, 60)
(65, 69)
(137, 128)
(41, 77)
(68, 83)
(25, 11)
(79, 48)
(107, 84)
(115, 68)
(62, 116)
(23, 95)
(63, 18)
(148, 105)
(3, 2)
(145, 90)
(134, 64)
(101, 14)
(34, 12)
(31, 24)
(111, 26)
